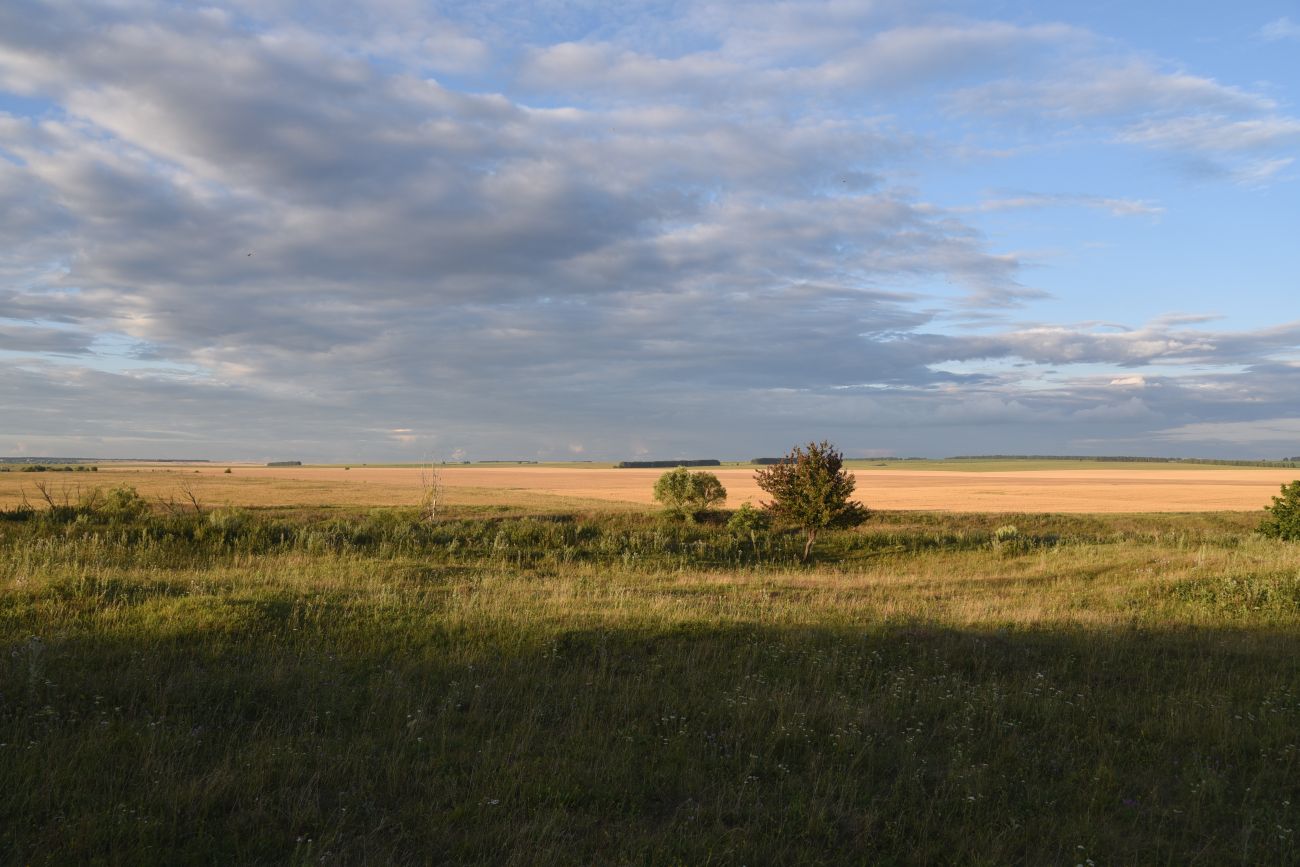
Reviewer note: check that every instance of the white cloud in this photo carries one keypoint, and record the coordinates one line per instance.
(303, 234)
(1218, 129)
(1215, 134)
(1103, 86)
(1118, 207)
(1281, 28)
(1284, 432)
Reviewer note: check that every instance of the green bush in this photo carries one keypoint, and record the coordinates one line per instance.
(122, 505)
(229, 523)
(1283, 521)
(1007, 539)
(688, 494)
(748, 521)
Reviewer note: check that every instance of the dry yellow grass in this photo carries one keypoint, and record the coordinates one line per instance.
(1088, 488)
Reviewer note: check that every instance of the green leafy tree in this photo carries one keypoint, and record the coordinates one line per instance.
(810, 489)
(1283, 521)
(687, 494)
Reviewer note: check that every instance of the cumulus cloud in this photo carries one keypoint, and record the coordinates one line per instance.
(1157, 342)
(344, 234)
(22, 337)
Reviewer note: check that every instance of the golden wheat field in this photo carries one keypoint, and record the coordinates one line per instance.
(1087, 487)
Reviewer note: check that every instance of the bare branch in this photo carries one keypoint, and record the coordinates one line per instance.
(431, 490)
(90, 502)
(169, 505)
(44, 489)
(190, 495)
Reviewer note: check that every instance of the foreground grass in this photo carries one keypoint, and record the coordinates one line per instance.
(609, 689)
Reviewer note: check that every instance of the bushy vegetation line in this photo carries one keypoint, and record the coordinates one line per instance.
(123, 527)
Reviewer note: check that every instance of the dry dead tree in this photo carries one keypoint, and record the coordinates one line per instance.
(175, 508)
(188, 491)
(48, 496)
(430, 490)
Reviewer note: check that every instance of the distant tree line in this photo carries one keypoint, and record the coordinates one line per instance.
(44, 468)
(1285, 462)
(653, 465)
(20, 459)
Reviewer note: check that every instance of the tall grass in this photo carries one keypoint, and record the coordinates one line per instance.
(613, 688)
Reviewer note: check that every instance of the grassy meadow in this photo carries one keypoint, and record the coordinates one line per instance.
(573, 685)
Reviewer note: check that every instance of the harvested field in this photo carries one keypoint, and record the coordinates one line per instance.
(1089, 487)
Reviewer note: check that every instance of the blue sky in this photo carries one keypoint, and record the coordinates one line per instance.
(339, 231)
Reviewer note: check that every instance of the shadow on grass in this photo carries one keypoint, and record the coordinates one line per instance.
(270, 738)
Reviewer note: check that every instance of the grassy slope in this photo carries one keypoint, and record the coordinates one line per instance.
(607, 689)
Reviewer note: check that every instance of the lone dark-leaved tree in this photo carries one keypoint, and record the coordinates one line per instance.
(1283, 521)
(810, 489)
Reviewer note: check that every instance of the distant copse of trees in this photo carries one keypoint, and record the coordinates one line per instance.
(656, 465)
(43, 468)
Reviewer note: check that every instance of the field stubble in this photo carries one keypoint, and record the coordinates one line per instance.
(1084, 487)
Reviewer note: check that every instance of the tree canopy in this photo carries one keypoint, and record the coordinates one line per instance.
(1283, 521)
(810, 489)
(688, 494)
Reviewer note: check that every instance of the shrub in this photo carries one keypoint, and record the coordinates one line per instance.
(1008, 539)
(1283, 521)
(687, 494)
(230, 522)
(122, 505)
(748, 521)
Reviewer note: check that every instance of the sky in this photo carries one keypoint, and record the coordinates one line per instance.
(593, 230)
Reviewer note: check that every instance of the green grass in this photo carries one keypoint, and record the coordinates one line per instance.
(608, 688)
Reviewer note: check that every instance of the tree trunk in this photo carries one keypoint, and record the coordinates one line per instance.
(807, 548)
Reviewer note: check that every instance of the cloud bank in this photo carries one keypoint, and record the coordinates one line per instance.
(263, 230)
